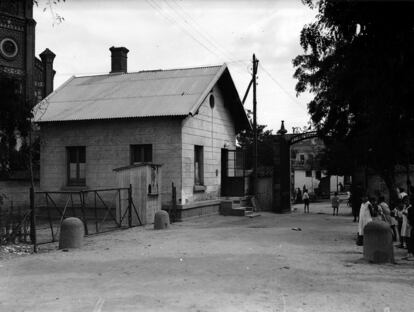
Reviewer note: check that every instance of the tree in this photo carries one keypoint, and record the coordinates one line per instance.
(264, 145)
(358, 64)
(15, 116)
(49, 5)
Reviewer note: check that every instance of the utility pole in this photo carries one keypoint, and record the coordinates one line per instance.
(255, 63)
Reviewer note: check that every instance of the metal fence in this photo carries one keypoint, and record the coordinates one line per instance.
(101, 210)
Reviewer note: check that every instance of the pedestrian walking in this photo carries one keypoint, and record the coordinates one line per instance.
(335, 203)
(375, 212)
(305, 198)
(385, 213)
(356, 194)
(348, 199)
(410, 243)
(384, 210)
(298, 195)
(399, 217)
(405, 226)
(365, 216)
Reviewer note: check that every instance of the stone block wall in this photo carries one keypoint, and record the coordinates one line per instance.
(107, 145)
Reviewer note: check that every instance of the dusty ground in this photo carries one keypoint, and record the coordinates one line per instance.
(213, 264)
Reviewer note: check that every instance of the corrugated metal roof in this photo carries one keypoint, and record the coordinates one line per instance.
(177, 92)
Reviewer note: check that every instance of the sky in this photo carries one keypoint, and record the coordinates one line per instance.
(166, 34)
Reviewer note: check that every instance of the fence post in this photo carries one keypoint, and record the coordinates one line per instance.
(119, 208)
(83, 207)
(33, 220)
(49, 217)
(130, 206)
(172, 200)
(174, 203)
(95, 209)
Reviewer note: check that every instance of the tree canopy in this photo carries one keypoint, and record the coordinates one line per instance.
(49, 5)
(359, 64)
(15, 116)
(264, 145)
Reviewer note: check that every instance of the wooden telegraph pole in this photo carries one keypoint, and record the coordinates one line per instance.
(253, 82)
(255, 64)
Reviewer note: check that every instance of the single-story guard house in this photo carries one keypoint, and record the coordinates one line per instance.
(182, 119)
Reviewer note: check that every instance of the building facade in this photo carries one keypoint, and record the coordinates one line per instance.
(306, 171)
(182, 119)
(34, 76)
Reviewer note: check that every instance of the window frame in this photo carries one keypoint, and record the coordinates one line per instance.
(308, 175)
(199, 155)
(142, 153)
(77, 181)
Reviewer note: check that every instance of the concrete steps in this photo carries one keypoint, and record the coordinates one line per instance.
(237, 206)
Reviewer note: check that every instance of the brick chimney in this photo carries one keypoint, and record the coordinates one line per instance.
(47, 57)
(119, 58)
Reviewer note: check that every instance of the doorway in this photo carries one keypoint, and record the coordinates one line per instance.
(232, 172)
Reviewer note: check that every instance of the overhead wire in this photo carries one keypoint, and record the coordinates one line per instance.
(188, 19)
(209, 44)
(294, 100)
(159, 9)
(204, 33)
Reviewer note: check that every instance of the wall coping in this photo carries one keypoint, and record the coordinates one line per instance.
(136, 165)
(199, 204)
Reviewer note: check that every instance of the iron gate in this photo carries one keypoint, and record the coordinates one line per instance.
(100, 210)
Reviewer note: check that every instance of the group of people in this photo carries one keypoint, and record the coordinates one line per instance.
(365, 209)
(335, 200)
(400, 218)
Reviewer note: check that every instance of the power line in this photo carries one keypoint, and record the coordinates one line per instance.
(158, 8)
(196, 27)
(171, 17)
(210, 38)
(294, 100)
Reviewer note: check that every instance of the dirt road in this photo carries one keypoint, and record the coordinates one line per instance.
(214, 264)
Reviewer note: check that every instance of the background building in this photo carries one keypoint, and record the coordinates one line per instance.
(17, 51)
(307, 171)
(31, 76)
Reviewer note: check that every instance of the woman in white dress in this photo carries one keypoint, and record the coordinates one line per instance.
(365, 216)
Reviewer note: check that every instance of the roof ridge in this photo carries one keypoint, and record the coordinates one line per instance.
(171, 69)
(150, 70)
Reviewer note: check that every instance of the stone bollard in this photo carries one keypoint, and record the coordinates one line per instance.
(71, 233)
(378, 246)
(161, 220)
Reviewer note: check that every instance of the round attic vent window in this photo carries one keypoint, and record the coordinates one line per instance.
(211, 99)
(8, 48)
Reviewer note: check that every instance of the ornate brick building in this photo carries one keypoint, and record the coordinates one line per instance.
(33, 76)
